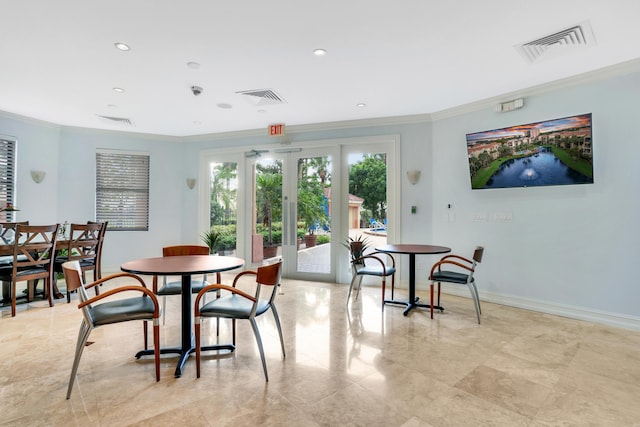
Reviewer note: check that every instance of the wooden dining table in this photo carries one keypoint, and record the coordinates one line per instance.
(183, 266)
(412, 250)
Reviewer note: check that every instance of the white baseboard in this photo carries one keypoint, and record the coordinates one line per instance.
(580, 313)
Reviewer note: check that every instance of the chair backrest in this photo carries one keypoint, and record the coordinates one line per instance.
(182, 250)
(73, 278)
(103, 232)
(8, 231)
(269, 274)
(34, 250)
(477, 254)
(84, 240)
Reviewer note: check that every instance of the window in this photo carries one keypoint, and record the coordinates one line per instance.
(7, 176)
(122, 190)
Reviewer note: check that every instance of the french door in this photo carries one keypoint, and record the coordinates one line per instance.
(292, 206)
(296, 203)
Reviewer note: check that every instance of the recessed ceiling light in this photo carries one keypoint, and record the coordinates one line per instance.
(112, 106)
(224, 106)
(361, 105)
(118, 89)
(197, 122)
(319, 52)
(262, 111)
(193, 65)
(122, 46)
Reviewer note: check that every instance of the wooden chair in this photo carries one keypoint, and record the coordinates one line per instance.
(241, 305)
(144, 307)
(175, 288)
(101, 235)
(461, 278)
(33, 255)
(82, 246)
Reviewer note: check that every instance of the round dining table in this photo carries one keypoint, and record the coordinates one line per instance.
(412, 250)
(183, 266)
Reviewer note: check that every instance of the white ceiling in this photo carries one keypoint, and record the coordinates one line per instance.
(58, 62)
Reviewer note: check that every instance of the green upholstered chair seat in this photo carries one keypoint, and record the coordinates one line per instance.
(372, 270)
(233, 306)
(139, 308)
(175, 288)
(451, 276)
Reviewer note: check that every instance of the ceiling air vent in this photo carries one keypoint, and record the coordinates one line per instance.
(262, 97)
(121, 120)
(579, 35)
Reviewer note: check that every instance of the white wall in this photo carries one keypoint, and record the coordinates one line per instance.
(569, 249)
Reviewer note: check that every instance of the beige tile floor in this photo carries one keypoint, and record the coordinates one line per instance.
(344, 367)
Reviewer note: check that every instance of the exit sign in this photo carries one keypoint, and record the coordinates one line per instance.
(276, 130)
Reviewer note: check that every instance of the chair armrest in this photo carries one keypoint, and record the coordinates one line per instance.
(114, 276)
(370, 256)
(145, 291)
(244, 273)
(456, 257)
(219, 286)
(443, 261)
(393, 260)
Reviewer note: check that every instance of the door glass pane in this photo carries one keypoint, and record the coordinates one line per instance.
(268, 199)
(368, 198)
(223, 212)
(314, 214)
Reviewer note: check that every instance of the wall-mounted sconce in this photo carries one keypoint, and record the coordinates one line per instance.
(37, 176)
(191, 182)
(413, 176)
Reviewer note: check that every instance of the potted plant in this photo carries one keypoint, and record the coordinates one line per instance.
(211, 238)
(356, 245)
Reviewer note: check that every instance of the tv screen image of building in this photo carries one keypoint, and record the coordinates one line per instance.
(553, 152)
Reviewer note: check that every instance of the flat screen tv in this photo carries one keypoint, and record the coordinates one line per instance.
(553, 152)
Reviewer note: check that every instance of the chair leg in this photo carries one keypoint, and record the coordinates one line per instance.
(431, 299)
(13, 298)
(359, 287)
(393, 285)
(279, 326)
(384, 284)
(164, 309)
(197, 334)
(256, 332)
(156, 346)
(83, 336)
(145, 335)
(474, 297)
(353, 279)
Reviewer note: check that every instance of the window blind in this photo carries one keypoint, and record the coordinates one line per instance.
(7, 175)
(122, 190)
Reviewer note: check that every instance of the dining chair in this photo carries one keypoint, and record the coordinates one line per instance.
(175, 287)
(101, 235)
(144, 307)
(82, 246)
(372, 264)
(464, 277)
(240, 304)
(33, 255)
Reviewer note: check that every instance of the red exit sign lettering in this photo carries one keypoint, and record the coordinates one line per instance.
(276, 130)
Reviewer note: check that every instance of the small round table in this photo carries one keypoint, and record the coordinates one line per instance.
(183, 266)
(412, 250)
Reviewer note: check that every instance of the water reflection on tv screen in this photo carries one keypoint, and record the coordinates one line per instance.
(553, 152)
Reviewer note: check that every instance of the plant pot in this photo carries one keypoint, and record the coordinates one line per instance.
(299, 242)
(270, 251)
(356, 249)
(310, 240)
